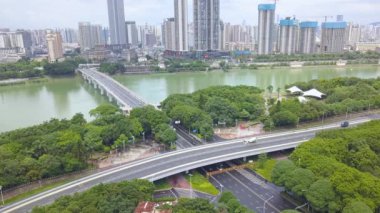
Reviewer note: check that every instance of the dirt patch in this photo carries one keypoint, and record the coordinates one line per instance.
(244, 129)
(179, 181)
(134, 153)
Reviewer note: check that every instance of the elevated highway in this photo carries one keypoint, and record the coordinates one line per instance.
(164, 165)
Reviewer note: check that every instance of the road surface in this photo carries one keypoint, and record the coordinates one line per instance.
(167, 164)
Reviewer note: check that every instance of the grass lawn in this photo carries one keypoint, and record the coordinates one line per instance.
(34, 192)
(266, 171)
(200, 183)
(162, 184)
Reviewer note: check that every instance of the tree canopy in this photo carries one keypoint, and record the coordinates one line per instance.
(335, 170)
(115, 197)
(201, 110)
(57, 147)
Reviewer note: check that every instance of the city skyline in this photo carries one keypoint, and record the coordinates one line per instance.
(35, 12)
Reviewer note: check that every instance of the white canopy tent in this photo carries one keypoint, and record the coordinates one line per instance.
(294, 89)
(313, 93)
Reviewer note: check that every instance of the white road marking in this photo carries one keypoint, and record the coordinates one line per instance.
(74, 184)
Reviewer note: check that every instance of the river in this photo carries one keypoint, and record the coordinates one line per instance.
(32, 103)
(156, 87)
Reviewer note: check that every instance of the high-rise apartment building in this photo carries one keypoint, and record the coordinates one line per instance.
(352, 34)
(85, 38)
(307, 40)
(22, 40)
(5, 41)
(38, 38)
(117, 22)
(266, 29)
(97, 35)
(19, 42)
(181, 25)
(54, 45)
(132, 33)
(91, 35)
(238, 37)
(143, 31)
(288, 36)
(69, 35)
(333, 37)
(169, 34)
(206, 24)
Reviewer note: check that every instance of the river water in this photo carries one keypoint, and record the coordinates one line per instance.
(33, 103)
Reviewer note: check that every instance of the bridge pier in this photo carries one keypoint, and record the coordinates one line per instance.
(114, 91)
(109, 97)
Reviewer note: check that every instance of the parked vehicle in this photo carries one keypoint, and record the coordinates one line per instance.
(345, 124)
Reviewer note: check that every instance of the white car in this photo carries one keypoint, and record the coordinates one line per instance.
(250, 140)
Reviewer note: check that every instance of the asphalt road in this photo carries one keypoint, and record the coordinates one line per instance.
(167, 164)
(120, 92)
(251, 190)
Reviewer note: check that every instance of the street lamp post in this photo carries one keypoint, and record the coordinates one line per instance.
(191, 187)
(143, 133)
(323, 120)
(1, 192)
(123, 145)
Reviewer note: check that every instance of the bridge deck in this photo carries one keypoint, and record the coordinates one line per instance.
(123, 95)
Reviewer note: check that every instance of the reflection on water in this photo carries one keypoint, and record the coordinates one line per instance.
(33, 103)
(156, 87)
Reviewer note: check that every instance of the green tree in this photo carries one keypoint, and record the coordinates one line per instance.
(290, 211)
(197, 205)
(270, 91)
(121, 142)
(321, 196)
(149, 117)
(285, 118)
(221, 110)
(357, 206)
(281, 171)
(226, 196)
(166, 135)
(104, 110)
(299, 181)
(262, 159)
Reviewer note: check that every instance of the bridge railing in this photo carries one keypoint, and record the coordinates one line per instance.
(133, 94)
(94, 73)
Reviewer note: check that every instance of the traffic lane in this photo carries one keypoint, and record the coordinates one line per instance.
(256, 184)
(147, 168)
(132, 172)
(265, 190)
(246, 196)
(168, 162)
(164, 194)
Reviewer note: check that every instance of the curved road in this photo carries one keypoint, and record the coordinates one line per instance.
(164, 165)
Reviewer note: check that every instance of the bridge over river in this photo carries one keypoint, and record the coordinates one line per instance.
(124, 97)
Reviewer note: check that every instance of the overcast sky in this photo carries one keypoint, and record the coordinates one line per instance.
(39, 14)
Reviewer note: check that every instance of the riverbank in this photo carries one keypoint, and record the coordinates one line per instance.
(10, 82)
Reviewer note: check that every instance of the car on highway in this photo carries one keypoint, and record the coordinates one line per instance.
(345, 124)
(250, 140)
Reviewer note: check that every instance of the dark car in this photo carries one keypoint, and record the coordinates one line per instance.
(345, 124)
